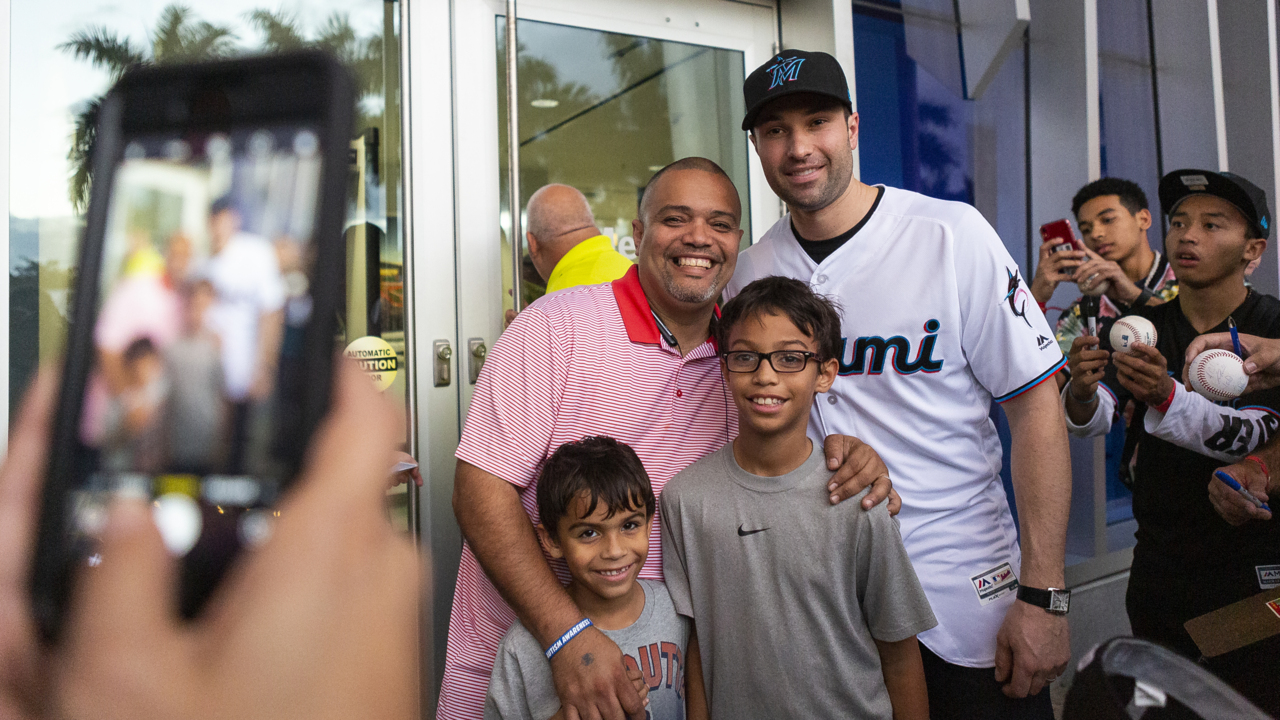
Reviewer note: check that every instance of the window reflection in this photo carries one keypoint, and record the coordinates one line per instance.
(73, 51)
(70, 54)
(603, 111)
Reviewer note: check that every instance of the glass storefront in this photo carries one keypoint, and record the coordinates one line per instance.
(604, 111)
(69, 55)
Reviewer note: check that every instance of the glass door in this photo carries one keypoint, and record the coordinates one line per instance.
(609, 93)
(606, 124)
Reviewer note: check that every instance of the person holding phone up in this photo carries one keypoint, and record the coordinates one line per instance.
(1113, 217)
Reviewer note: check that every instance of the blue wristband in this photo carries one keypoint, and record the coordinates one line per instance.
(568, 635)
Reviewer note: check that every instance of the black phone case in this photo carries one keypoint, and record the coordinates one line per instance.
(308, 86)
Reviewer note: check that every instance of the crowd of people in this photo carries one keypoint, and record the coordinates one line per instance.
(786, 505)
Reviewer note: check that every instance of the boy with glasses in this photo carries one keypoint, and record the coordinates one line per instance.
(799, 608)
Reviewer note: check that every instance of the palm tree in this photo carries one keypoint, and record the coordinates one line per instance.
(178, 37)
(181, 37)
(363, 56)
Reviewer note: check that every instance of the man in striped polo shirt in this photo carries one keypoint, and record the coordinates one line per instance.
(632, 359)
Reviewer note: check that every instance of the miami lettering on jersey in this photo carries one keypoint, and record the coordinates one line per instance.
(879, 347)
(659, 664)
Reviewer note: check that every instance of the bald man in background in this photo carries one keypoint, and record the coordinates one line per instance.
(565, 245)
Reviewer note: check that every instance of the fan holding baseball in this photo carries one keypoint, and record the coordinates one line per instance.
(1218, 224)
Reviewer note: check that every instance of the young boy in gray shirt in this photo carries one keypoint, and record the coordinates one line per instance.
(596, 509)
(800, 608)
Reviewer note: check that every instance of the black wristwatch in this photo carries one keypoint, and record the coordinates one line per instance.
(1053, 600)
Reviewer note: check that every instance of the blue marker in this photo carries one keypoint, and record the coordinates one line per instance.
(1235, 336)
(1231, 483)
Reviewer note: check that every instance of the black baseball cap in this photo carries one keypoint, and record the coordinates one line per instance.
(1247, 197)
(790, 72)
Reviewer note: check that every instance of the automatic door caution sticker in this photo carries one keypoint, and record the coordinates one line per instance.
(376, 357)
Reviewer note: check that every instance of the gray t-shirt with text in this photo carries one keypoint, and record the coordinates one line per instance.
(788, 593)
(521, 685)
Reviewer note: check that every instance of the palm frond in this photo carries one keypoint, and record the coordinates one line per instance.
(103, 48)
(279, 30)
(167, 40)
(81, 154)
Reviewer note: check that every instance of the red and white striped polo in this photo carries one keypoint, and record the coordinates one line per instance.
(584, 361)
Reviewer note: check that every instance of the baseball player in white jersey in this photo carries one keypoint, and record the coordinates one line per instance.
(937, 323)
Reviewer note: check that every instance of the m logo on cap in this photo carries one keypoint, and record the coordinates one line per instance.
(783, 70)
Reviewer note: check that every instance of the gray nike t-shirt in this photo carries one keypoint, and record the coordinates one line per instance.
(521, 685)
(788, 593)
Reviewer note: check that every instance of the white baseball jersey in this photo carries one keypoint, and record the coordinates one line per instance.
(937, 323)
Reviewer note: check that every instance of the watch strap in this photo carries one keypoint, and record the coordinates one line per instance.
(1054, 600)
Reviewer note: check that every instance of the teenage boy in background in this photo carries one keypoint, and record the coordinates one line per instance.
(832, 607)
(596, 509)
(1188, 560)
(1114, 219)
(938, 324)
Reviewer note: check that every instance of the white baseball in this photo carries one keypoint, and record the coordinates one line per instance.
(1218, 375)
(1100, 287)
(1130, 329)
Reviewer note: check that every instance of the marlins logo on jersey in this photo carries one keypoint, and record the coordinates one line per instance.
(1016, 295)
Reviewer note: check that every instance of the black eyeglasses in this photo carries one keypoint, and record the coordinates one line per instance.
(783, 361)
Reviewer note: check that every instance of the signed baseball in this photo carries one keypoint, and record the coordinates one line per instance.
(1218, 375)
(1130, 329)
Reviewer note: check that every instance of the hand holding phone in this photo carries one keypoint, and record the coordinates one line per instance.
(203, 331)
(1054, 264)
(1060, 230)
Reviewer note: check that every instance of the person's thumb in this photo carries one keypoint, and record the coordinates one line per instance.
(128, 592)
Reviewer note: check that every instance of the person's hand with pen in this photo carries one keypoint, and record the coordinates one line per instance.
(1240, 493)
(1261, 357)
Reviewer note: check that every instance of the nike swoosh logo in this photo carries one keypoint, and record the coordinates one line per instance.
(744, 533)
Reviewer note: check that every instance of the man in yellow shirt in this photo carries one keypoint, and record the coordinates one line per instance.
(564, 243)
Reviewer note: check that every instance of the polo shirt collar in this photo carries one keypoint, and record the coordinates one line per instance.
(637, 314)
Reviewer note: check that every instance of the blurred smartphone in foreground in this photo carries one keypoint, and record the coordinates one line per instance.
(203, 326)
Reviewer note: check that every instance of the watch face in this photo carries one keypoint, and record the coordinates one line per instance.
(1059, 601)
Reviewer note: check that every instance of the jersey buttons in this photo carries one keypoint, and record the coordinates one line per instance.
(831, 399)
(821, 279)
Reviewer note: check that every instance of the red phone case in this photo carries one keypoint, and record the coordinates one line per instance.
(1060, 230)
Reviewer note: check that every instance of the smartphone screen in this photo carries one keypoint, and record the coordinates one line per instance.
(203, 295)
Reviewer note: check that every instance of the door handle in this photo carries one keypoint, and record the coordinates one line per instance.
(442, 355)
(478, 352)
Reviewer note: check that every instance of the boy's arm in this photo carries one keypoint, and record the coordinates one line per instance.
(695, 692)
(904, 677)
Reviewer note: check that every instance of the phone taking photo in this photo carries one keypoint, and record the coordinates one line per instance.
(1060, 230)
(203, 328)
